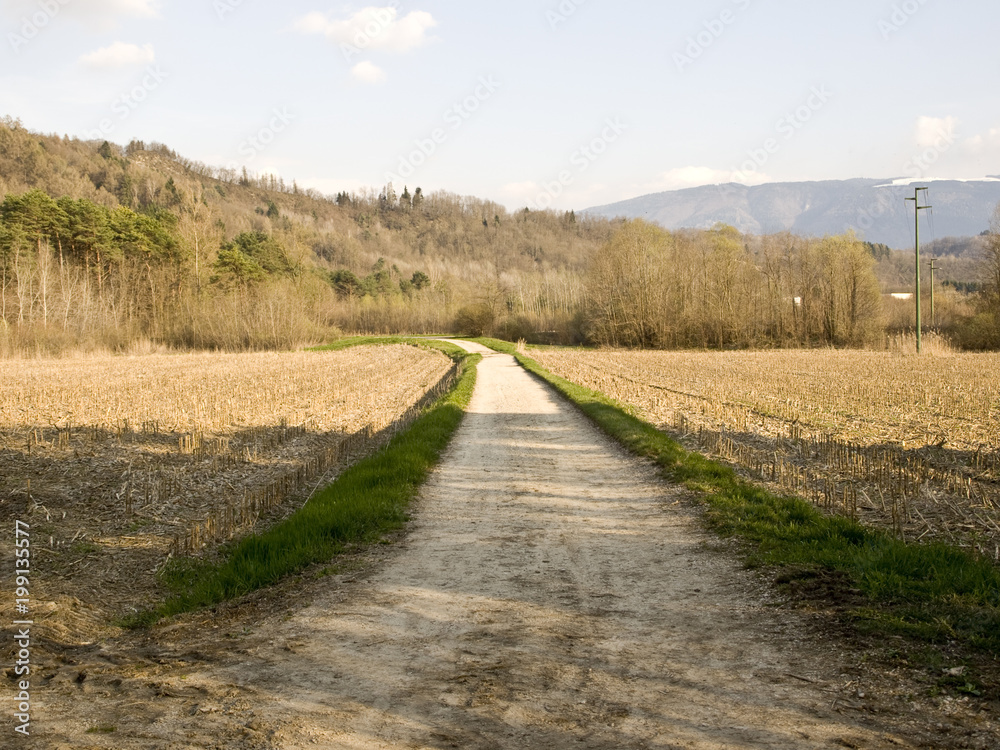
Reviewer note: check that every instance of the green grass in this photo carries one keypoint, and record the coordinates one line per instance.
(368, 500)
(932, 592)
(102, 729)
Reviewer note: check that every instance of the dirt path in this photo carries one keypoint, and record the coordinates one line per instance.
(551, 592)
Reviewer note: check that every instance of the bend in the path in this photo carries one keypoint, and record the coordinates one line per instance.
(470, 346)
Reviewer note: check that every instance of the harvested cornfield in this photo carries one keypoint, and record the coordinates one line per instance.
(119, 462)
(320, 391)
(908, 443)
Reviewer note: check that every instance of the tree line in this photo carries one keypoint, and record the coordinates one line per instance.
(648, 287)
(653, 288)
(74, 270)
(103, 246)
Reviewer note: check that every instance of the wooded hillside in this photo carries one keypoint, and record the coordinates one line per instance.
(111, 247)
(103, 245)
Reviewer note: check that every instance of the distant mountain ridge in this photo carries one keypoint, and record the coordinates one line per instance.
(875, 209)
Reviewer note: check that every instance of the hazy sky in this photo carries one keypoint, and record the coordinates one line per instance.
(541, 102)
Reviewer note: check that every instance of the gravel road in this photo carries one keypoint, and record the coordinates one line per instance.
(553, 593)
(550, 592)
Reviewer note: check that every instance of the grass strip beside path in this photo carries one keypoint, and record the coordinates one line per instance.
(934, 592)
(369, 499)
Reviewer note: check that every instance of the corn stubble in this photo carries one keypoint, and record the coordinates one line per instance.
(168, 454)
(904, 443)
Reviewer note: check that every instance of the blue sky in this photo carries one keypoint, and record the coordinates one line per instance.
(561, 103)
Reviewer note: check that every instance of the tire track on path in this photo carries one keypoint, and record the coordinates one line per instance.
(552, 592)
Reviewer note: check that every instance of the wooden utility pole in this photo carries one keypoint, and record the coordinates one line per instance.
(917, 209)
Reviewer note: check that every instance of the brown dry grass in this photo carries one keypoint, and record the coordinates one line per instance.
(902, 441)
(113, 459)
(211, 392)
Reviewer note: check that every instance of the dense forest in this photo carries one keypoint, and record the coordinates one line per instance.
(118, 248)
(105, 246)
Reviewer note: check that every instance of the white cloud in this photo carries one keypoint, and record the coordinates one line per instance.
(371, 28)
(97, 14)
(685, 177)
(939, 153)
(119, 55)
(984, 143)
(132, 8)
(367, 72)
(312, 23)
(931, 131)
(521, 189)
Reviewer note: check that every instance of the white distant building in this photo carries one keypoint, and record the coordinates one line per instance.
(904, 296)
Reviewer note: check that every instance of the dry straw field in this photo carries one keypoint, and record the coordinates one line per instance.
(117, 462)
(907, 443)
